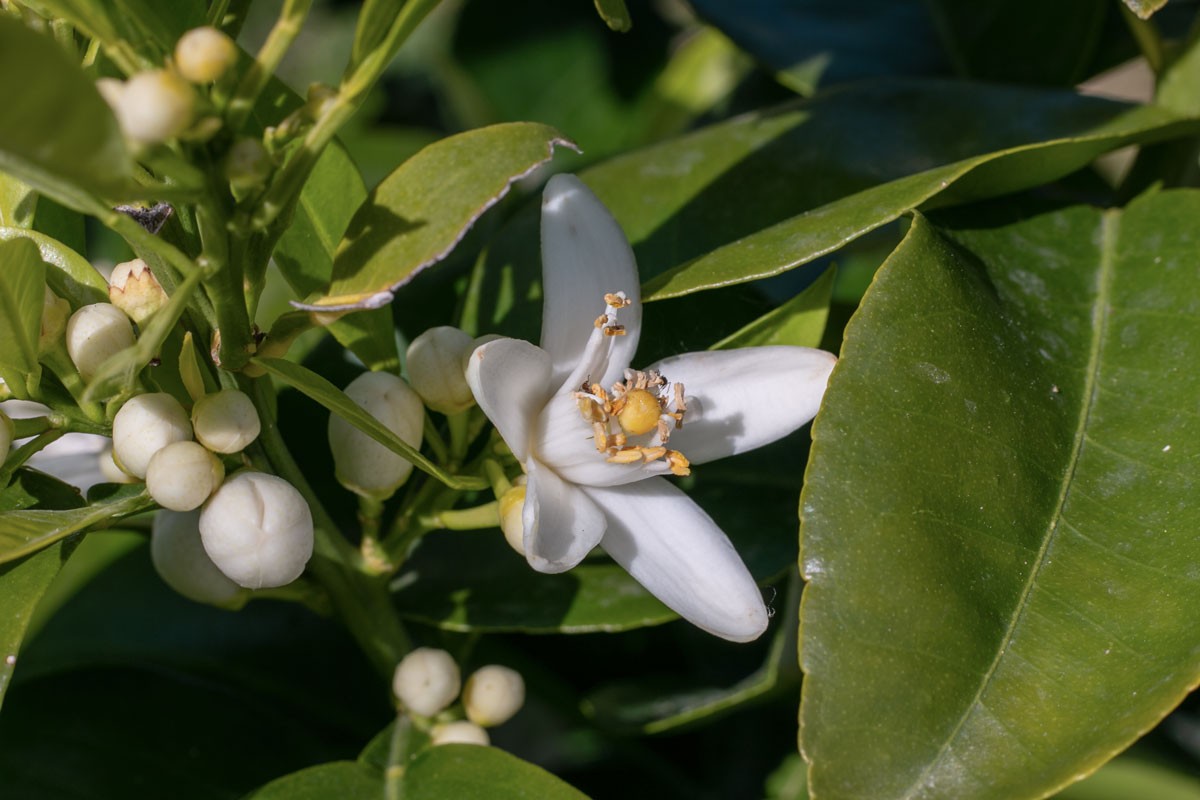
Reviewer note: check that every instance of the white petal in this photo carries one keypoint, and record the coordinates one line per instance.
(561, 523)
(565, 442)
(679, 554)
(510, 381)
(738, 400)
(584, 256)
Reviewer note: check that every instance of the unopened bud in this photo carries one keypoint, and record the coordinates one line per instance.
(182, 475)
(55, 312)
(426, 681)
(204, 54)
(94, 334)
(225, 421)
(493, 694)
(435, 367)
(180, 560)
(247, 165)
(459, 732)
(134, 289)
(151, 106)
(512, 508)
(258, 530)
(110, 471)
(363, 465)
(7, 431)
(144, 425)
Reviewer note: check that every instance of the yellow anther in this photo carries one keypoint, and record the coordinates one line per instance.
(600, 432)
(614, 330)
(678, 463)
(651, 453)
(639, 413)
(629, 456)
(617, 300)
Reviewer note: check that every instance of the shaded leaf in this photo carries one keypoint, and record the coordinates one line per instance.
(26, 531)
(341, 779)
(22, 287)
(615, 14)
(1145, 8)
(1126, 777)
(800, 321)
(144, 24)
(471, 772)
(56, 133)
(1019, 602)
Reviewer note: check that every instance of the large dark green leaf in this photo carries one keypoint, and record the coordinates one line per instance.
(22, 286)
(340, 779)
(56, 133)
(423, 209)
(999, 516)
(470, 772)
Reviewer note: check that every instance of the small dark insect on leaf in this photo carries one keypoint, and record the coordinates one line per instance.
(152, 219)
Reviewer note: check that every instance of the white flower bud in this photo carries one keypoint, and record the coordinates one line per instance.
(460, 732)
(144, 425)
(435, 367)
(7, 431)
(512, 507)
(493, 694)
(152, 106)
(247, 165)
(204, 54)
(111, 90)
(182, 475)
(258, 530)
(134, 289)
(180, 560)
(55, 312)
(476, 343)
(110, 471)
(225, 421)
(426, 681)
(361, 464)
(94, 334)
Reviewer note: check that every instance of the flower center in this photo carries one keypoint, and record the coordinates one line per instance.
(645, 404)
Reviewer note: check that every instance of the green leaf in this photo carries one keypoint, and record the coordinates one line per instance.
(305, 252)
(1125, 778)
(334, 399)
(998, 517)
(17, 202)
(341, 779)
(789, 781)
(22, 287)
(416, 216)
(1145, 8)
(471, 772)
(142, 24)
(383, 26)
(801, 239)
(799, 321)
(26, 531)
(73, 277)
(56, 133)
(615, 14)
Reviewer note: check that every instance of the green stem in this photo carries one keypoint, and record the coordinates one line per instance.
(59, 361)
(225, 289)
(460, 438)
(399, 754)
(279, 40)
(1145, 33)
(464, 519)
(360, 601)
(23, 453)
(433, 438)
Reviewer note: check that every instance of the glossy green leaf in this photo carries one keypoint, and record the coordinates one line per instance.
(142, 24)
(17, 202)
(789, 781)
(383, 26)
(998, 518)
(470, 772)
(799, 321)
(1145, 8)
(73, 277)
(22, 287)
(329, 199)
(26, 531)
(801, 239)
(1125, 778)
(341, 779)
(423, 209)
(615, 14)
(56, 133)
(334, 399)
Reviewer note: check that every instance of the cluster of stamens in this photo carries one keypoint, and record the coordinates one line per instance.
(644, 402)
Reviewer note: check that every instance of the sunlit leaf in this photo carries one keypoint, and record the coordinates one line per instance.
(26, 531)
(999, 518)
(74, 278)
(799, 321)
(22, 287)
(471, 772)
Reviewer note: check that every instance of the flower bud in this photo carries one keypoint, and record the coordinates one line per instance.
(182, 475)
(7, 431)
(225, 421)
(362, 464)
(247, 165)
(55, 312)
(460, 732)
(493, 694)
(319, 99)
(435, 367)
(134, 289)
(94, 334)
(144, 425)
(512, 524)
(426, 681)
(204, 54)
(110, 471)
(258, 530)
(180, 560)
(152, 106)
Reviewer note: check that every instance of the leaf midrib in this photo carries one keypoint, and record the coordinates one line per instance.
(1108, 235)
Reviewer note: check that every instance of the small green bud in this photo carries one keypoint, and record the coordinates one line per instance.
(247, 165)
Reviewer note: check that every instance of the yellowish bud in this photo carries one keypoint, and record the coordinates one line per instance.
(182, 475)
(95, 333)
(134, 289)
(204, 54)
(225, 421)
(144, 425)
(493, 694)
(512, 506)
(460, 732)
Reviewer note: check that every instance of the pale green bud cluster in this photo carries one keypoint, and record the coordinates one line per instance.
(361, 464)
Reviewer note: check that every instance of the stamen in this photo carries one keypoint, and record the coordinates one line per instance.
(628, 456)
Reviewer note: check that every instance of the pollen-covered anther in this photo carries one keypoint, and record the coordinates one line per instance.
(617, 300)
(614, 330)
(629, 455)
(678, 463)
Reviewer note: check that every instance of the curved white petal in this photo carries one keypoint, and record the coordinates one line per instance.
(566, 443)
(584, 256)
(510, 381)
(561, 523)
(738, 400)
(679, 554)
